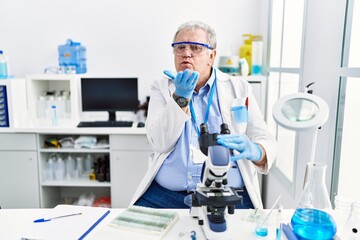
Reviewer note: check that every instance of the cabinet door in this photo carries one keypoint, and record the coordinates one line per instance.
(127, 170)
(19, 186)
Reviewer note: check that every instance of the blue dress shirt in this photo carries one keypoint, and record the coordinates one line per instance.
(179, 172)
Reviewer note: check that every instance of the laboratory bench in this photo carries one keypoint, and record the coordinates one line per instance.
(18, 224)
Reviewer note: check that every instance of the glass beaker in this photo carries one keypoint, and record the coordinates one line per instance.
(311, 219)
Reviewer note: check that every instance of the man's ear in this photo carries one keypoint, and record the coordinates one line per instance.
(212, 57)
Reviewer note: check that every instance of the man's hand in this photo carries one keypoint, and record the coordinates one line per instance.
(185, 82)
(241, 143)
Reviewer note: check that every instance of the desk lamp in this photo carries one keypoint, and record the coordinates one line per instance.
(300, 112)
(306, 112)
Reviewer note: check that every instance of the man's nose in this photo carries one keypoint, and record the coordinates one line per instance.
(187, 52)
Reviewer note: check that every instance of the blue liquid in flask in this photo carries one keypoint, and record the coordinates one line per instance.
(308, 223)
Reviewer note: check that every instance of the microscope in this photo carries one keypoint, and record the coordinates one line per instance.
(212, 196)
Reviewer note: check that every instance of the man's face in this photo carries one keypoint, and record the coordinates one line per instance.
(200, 62)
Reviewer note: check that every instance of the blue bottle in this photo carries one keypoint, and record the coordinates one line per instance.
(72, 54)
(3, 66)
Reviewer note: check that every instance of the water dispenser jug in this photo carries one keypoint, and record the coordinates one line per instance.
(72, 54)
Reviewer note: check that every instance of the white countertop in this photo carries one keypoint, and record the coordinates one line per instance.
(18, 223)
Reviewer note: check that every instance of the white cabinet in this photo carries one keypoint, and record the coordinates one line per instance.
(53, 190)
(128, 158)
(19, 186)
(129, 161)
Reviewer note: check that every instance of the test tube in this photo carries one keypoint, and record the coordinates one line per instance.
(278, 222)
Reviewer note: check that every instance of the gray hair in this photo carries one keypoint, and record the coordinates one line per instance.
(193, 25)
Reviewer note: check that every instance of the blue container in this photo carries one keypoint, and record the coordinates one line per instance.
(72, 54)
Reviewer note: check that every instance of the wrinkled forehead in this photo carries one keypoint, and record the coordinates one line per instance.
(191, 35)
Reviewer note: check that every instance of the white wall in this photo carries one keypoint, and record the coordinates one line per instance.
(122, 37)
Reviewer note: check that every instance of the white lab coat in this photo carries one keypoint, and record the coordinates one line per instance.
(165, 123)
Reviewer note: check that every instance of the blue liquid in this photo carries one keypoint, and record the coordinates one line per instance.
(261, 231)
(256, 69)
(308, 223)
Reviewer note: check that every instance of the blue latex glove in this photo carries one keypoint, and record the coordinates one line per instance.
(241, 143)
(184, 82)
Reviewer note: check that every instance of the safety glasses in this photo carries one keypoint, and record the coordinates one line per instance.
(195, 47)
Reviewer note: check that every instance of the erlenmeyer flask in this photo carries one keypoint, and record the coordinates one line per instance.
(312, 219)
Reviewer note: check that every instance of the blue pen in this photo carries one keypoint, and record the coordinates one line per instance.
(40, 220)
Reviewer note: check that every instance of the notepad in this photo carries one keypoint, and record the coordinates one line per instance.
(73, 227)
(146, 220)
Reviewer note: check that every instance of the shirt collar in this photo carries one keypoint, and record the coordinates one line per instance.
(206, 88)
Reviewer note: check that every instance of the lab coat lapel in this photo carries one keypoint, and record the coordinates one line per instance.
(226, 94)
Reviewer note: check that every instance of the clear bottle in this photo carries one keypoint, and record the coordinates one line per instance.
(79, 166)
(60, 169)
(50, 169)
(89, 161)
(70, 167)
(3, 66)
(257, 55)
(41, 107)
(312, 218)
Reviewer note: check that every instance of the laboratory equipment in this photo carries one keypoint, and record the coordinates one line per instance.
(212, 196)
(279, 222)
(244, 67)
(53, 116)
(257, 55)
(229, 65)
(261, 221)
(312, 218)
(351, 229)
(71, 55)
(60, 169)
(3, 66)
(246, 50)
(306, 112)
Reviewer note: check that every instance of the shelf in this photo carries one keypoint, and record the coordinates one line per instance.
(75, 183)
(74, 150)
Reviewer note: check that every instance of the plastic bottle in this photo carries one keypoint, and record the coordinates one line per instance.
(3, 66)
(257, 55)
(70, 167)
(60, 169)
(79, 166)
(50, 169)
(246, 50)
(72, 54)
(244, 67)
(88, 163)
(41, 107)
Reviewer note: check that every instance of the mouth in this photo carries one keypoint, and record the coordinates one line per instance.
(185, 63)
